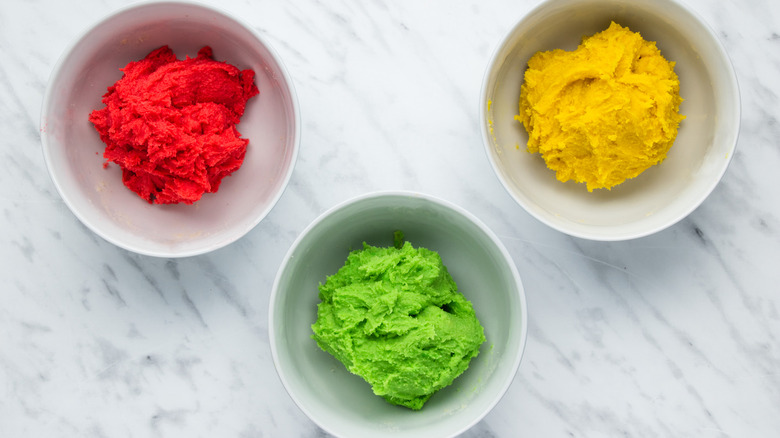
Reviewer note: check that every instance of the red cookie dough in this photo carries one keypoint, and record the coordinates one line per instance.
(171, 124)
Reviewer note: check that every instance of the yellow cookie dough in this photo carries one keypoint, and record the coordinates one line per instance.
(603, 113)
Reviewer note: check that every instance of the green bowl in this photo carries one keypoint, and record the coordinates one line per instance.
(342, 403)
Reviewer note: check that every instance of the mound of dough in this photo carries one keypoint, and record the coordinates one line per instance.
(170, 124)
(603, 113)
(394, 317)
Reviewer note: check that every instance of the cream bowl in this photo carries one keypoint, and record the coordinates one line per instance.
(96, 195)
(342, 403)
(663, 194)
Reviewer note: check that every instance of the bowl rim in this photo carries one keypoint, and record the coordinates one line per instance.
(67, 198)
(509, 379)
(593, 234)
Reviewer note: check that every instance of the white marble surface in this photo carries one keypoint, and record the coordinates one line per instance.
(672, 335)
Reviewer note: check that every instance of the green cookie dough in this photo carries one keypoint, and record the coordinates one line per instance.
(394, 317)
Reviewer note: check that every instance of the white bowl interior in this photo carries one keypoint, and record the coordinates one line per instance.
(342, 403)
(663, 194)
(73, 149)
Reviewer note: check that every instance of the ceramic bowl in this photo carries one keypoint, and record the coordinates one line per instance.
(663, 194)
(73, 150)
(342, 403)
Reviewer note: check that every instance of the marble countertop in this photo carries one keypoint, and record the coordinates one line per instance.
(675, 334)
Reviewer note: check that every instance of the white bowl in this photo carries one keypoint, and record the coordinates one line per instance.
(342, 403)
(73, 150)
(663, 194)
